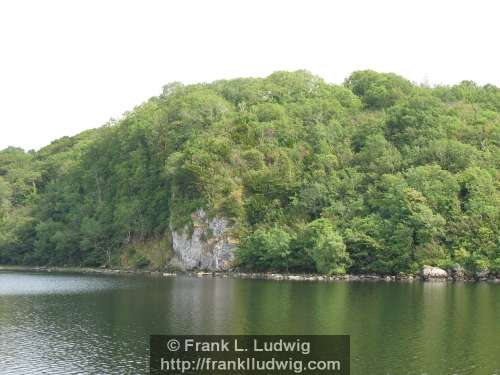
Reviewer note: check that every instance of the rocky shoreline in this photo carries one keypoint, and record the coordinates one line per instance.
(428, 274)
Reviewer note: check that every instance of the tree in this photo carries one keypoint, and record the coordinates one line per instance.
(411, 229)
(376, 175)
(325, 246)
(265, 250)
(378, 90)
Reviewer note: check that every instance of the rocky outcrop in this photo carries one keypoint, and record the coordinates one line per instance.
(208, 246)
(433, 273)
(458, 272)
(482, 275)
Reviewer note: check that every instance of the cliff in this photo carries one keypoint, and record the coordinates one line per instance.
(208, 246)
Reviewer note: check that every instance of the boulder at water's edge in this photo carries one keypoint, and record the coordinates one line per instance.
(433, 273)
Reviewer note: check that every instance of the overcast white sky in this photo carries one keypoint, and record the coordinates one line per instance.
(66, 66)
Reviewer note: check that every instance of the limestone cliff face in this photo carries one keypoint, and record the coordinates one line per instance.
(208, 247)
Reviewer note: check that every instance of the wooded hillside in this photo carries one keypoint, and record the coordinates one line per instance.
(375, 175)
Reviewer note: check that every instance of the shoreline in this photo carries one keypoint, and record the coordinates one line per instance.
(243, 275)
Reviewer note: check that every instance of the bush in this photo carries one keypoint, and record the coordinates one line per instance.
(461, 256)
(495, 266)
(478, 263)
(446, 264)
(325, 246)
(265, 249)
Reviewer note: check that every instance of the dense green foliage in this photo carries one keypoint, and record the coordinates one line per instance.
(376, 175)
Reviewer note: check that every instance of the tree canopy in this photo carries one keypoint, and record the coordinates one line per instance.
(375, 175)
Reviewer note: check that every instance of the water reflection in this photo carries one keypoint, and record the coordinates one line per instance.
(73, 324)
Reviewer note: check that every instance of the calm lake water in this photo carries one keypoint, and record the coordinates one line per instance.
(83, 324)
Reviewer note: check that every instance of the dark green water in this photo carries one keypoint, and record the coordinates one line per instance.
(81, 324)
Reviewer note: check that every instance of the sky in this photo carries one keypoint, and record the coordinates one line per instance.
(67, 66)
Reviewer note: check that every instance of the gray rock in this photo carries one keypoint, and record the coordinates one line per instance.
(296, 277)
(433, 273)
(208, 247)
(203, 274)
(458, 272)
(276, 276)
(483, 274)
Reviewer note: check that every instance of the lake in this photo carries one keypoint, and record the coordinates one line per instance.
(97, 324)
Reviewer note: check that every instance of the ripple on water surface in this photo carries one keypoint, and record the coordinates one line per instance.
(96, 324)
(52, 324)
(26, 283)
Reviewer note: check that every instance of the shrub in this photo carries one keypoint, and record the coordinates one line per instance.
(265, 249)
(325, 246)
(495, 266)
